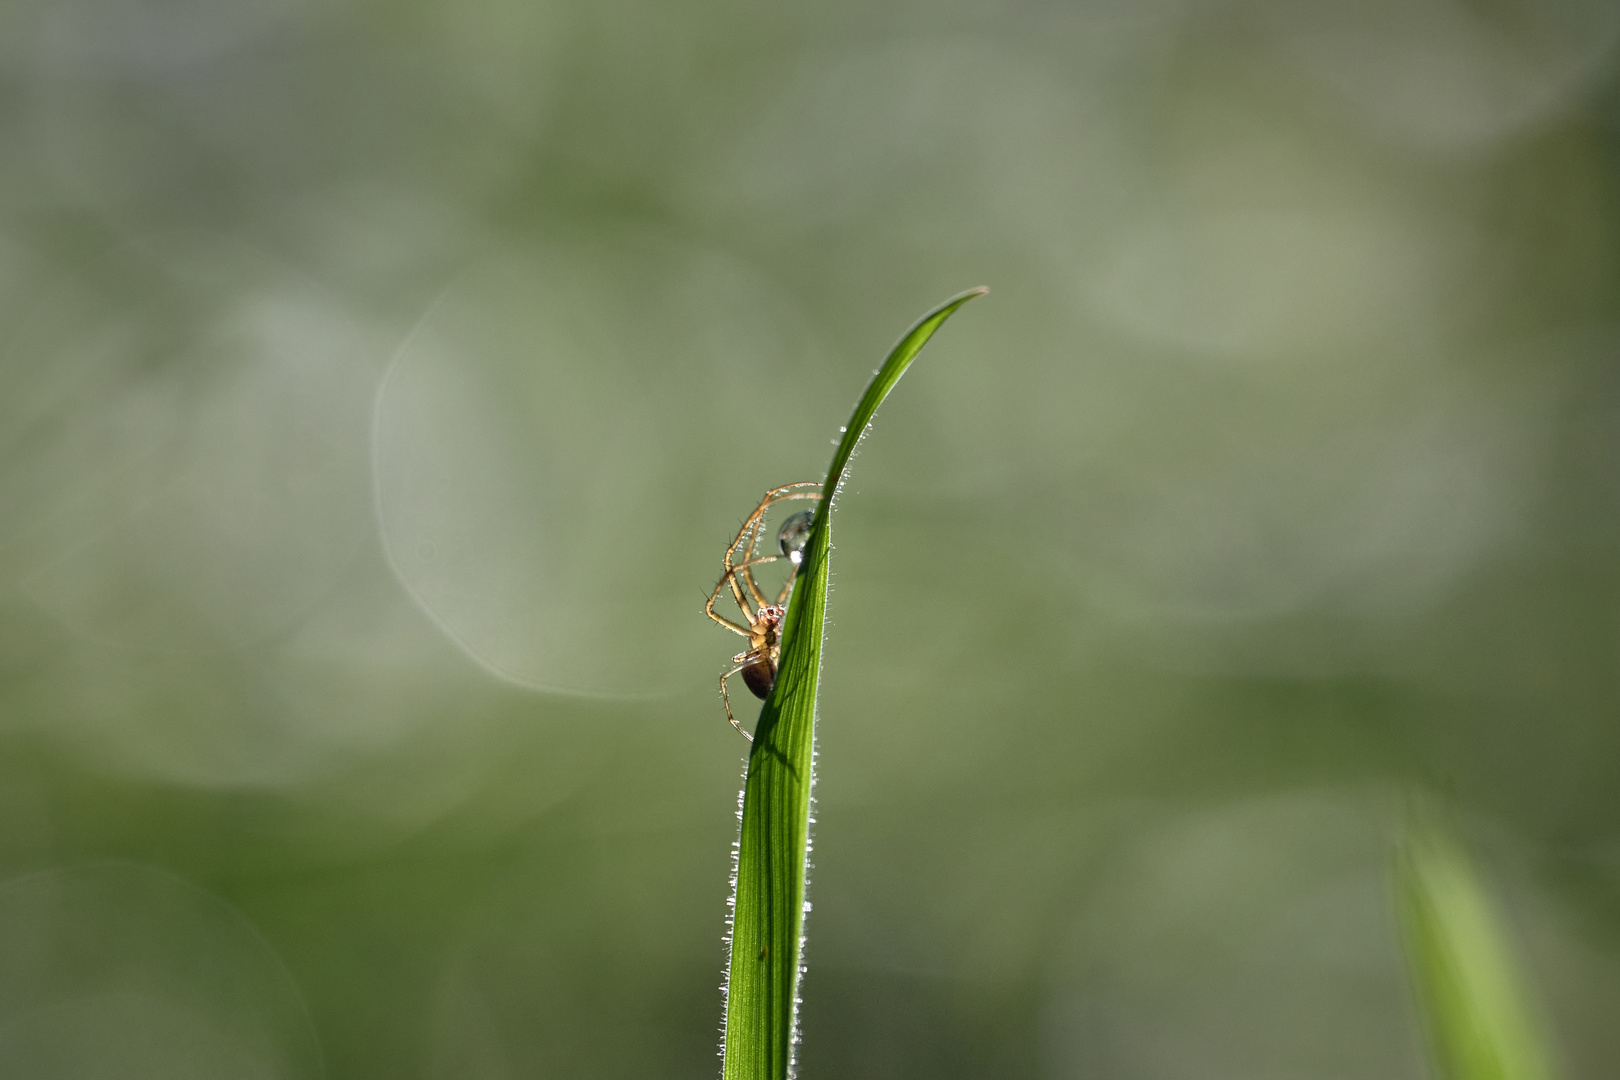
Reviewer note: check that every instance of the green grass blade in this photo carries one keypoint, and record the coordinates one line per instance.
(768, 904)
(1474, 1003)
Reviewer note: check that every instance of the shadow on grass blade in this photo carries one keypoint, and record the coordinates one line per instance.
(762, 978)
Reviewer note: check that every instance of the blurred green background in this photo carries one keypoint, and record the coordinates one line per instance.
(380, 383)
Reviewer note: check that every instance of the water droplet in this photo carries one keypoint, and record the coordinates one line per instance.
(794, 534)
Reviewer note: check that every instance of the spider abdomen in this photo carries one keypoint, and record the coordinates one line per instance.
(760, 677)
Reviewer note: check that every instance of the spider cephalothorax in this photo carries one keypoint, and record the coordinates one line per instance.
(764, 643)
(764, 621)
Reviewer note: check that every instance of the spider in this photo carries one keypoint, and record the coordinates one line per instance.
(758, 664)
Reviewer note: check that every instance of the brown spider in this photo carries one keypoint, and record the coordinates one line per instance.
(758, 664)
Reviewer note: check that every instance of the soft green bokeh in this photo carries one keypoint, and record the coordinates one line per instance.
(379, 384)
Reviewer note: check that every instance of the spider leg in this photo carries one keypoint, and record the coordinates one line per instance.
(737, 592)
(727, 699)
(721, 619)
(750, 527)
(748, 531)
(746, 567)
(753, 527)
(748, 613)
(787, 586)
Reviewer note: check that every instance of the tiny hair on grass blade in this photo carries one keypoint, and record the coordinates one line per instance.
(768, 901)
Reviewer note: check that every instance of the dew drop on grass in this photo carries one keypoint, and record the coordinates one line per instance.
(794, 534)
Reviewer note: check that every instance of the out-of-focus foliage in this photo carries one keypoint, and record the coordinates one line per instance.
(1473, 997)
(379, 383)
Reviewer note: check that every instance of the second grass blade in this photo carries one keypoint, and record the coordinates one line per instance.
(1476, 1003)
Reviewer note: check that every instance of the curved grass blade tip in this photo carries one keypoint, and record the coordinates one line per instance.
(761, 1026)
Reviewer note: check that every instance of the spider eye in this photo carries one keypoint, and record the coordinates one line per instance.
(794, 534)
